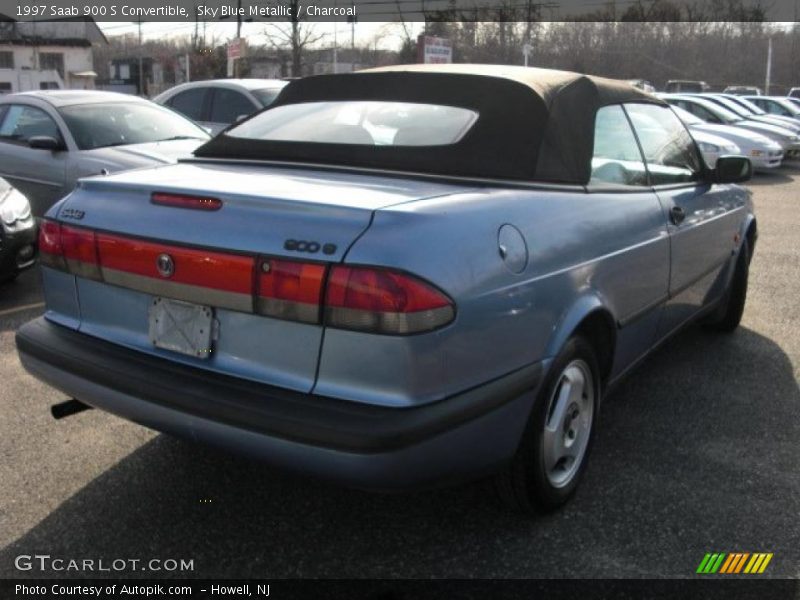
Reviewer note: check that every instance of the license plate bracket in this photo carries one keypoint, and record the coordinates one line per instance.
(181, 327)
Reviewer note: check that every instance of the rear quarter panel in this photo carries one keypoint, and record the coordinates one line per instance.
(585, 251)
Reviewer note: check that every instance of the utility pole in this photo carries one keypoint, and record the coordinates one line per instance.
(196, 28)
(335, 47)
(141, 61)
(769, 67)
(353, 36)
(239, 19)
(238, 37)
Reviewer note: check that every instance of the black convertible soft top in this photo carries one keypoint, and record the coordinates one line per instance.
(533, 124)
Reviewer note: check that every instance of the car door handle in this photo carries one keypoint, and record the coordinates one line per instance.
(676, 215)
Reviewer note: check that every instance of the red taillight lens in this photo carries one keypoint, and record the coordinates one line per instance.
(183, 201)
(51, 253)
(370, 299)
(383, 301)
(80, 252)
(290, 290)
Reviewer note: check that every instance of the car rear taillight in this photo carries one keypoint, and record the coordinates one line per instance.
(207, 277)
(50, 251)
(290, 290)
(80, 252)
(69, 249)
(368, 299)
(383, 301)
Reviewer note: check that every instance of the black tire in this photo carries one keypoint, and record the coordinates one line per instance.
(525, 486)
(727, 317)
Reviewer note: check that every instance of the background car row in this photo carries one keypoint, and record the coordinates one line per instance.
(769, 137)
(50, 139)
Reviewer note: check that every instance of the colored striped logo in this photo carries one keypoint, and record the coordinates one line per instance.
(734, 562)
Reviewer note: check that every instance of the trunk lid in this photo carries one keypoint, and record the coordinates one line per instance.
(283, 213)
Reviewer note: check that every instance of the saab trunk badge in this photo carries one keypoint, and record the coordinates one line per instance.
(165, 265)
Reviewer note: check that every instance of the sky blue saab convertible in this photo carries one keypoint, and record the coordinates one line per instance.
(396, 278)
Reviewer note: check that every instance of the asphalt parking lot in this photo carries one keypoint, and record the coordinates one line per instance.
(697, 452)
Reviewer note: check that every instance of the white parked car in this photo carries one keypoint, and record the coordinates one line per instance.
(217, 103)
(763, 153)
(712, 147)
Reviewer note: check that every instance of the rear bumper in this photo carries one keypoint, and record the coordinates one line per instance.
(361, 445)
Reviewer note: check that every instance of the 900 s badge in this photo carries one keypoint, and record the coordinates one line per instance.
(308, 246)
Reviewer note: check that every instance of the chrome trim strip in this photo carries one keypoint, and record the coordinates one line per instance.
(179, 291)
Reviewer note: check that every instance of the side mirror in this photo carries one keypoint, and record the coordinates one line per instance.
(45, 142)
(732, 169)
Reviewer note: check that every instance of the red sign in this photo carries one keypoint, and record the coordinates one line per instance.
(235, 48)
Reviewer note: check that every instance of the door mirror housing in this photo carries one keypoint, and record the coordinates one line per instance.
(732, 169)
(45, 142)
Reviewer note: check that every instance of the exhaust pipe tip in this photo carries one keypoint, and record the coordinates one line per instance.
(68, 408)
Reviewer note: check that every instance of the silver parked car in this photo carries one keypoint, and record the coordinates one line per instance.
(776, 105)
(713, 147)
(17, 233)
(764, 153)
(449, 297)
(48, 140)
(217, 103)
(711, 112)
(738, 105)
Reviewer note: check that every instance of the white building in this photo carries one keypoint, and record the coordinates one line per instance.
(48, 54)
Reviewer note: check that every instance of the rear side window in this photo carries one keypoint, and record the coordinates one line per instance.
(24, 122)
(699, 111)
(190, 103)
(668, 148)
(228, 105)
(616, 158)
(360, 122)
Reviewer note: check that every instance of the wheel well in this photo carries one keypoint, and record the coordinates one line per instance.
(598, 329)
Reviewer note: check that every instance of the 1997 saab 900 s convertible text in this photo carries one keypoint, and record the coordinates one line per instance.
(400, 277)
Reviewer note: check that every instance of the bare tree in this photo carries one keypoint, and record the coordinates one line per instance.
(295, 38)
